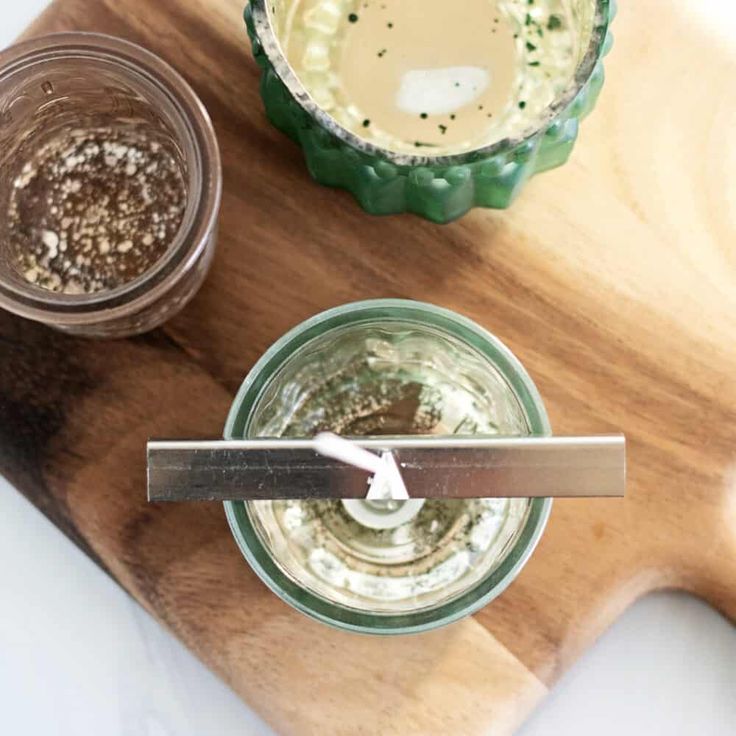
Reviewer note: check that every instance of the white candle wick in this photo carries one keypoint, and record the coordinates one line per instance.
(330, 445)
(384, 468)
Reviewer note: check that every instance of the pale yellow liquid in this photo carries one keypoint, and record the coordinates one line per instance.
(431, 76)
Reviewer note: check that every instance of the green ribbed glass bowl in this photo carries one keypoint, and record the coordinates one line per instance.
(256, 397)
(438, 188)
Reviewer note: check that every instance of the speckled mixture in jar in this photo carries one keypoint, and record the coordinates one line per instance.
(93, 209)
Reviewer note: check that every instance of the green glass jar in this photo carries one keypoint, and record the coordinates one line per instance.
(387, 367)
(534, 131)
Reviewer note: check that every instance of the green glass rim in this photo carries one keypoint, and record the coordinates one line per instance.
(261, 14)
(237, 425)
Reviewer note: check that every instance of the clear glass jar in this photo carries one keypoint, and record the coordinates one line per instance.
(88, 80)
(387, 367)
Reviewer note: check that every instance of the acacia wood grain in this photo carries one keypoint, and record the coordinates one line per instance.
(614, 281)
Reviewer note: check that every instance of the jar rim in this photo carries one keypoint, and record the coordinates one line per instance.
(264, 31)
(148, 70)
(353, 314)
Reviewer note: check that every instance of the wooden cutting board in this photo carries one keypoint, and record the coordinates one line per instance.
(613, 279)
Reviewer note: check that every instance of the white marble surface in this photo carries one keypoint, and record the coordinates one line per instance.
(78, 657)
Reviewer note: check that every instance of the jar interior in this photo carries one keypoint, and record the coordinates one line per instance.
(388, 378)
(428, 77)
(62, 106)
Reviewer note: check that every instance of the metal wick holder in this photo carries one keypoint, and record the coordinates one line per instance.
(383, 481)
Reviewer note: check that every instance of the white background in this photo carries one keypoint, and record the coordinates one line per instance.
(78, 657)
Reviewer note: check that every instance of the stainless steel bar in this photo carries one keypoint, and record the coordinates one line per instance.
(432, 467)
